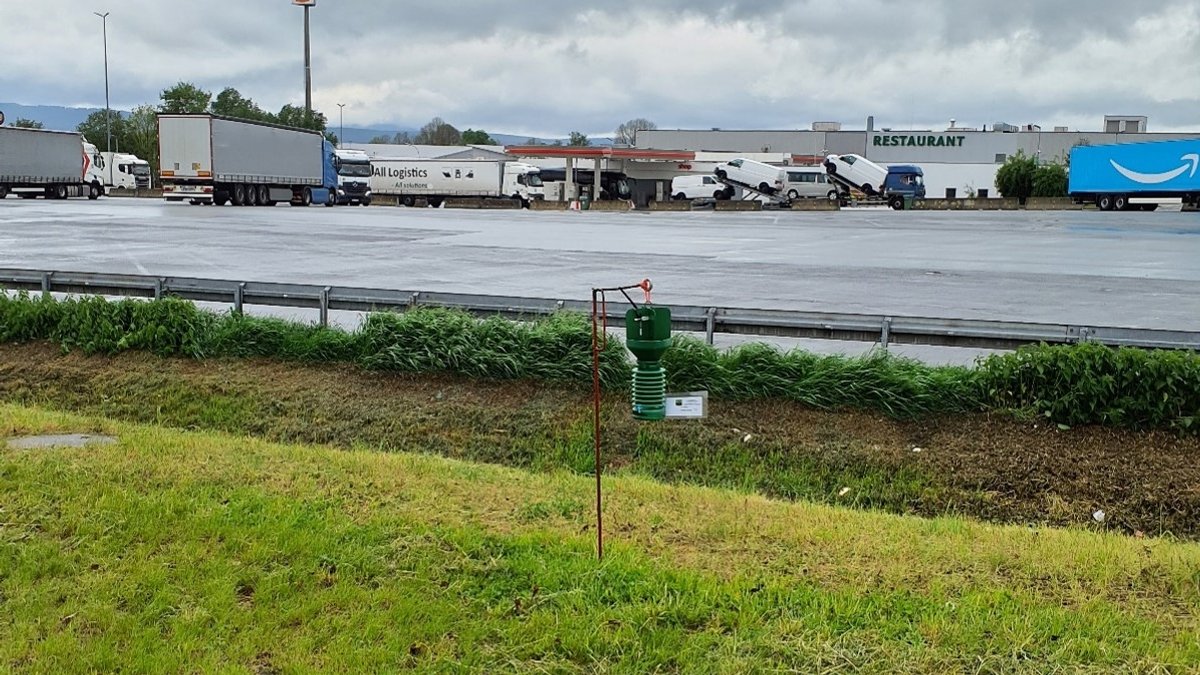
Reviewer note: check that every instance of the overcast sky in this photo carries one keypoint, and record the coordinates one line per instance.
(547, 68)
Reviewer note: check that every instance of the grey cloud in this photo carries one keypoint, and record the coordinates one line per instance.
(406, 62)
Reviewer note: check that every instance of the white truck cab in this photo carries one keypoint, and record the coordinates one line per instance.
(523, 181)
(123, 170)
(354, 176)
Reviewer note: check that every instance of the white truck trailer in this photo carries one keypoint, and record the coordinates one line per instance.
(50, 164)
(207, 159)
(436, 179)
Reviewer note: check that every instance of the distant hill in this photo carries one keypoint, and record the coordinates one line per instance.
(51, 116)
(64, 118)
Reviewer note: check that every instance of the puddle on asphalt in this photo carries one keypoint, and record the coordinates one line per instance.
(58, 441)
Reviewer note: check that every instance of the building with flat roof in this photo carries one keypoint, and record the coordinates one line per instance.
(962, 158)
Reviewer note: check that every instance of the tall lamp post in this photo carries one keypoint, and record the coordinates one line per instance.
(107, 107)
(307, 5)
(341, 125)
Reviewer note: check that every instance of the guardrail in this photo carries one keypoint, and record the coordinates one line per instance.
(876, 328)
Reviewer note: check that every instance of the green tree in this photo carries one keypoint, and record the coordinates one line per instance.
(96, 127)
(626, 132)
(578, 139)
(477, 137)
(141, 135)
(332, 138)
(402, 138)
(438, 132)
(23, 123)
(231, 103)
(1050, 180)
(383, 139)
(1015, 177)
(297, 116)
(184, 98)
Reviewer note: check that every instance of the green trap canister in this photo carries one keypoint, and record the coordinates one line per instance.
(648, 336)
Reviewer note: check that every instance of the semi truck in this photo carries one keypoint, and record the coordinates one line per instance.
(49, 164)
(434, 180)
(354, 177)
(208, 159)
(1112, 176)
(123, 170)
(891, 185)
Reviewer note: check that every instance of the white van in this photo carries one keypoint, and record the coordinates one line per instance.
(762, 177)
(809, 182)
(857, 170)
(696, 187)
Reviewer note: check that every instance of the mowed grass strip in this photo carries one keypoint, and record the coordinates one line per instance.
(188, 551)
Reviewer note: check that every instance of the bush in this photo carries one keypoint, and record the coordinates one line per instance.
(1015, 177)
(1094, 384)
(1076, 384)
(1050, 180)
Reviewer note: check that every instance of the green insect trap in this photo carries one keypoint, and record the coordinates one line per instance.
(648, 336)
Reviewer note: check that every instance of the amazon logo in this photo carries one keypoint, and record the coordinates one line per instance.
(1190, 163)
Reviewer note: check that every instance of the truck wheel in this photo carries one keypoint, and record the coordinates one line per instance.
(763, 187)
(408, 200)
(251, 195)
(3, 191)
(868, 189)
(366, 201)
(330, 198)
(306, 197)
(897, 203)
(832, 195)
(435, 202)
(679, 197)
(60, 191)
(1120, 203)
(94, 191)
(792, 194)
(264, 196)
(1104, 202)
(722, 174)
(239, 195)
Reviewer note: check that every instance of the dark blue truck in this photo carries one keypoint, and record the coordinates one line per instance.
(1109, 176)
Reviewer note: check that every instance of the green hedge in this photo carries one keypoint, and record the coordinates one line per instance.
(1073, 385)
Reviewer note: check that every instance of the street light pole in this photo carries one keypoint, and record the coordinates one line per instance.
(341, 125)
(307, 67)
(107, 107)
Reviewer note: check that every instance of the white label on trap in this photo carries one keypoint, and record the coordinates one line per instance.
(690, 405)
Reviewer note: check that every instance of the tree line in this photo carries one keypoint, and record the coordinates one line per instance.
(136, 132)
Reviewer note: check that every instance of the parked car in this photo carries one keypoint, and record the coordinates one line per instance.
(697, 187)
(858, 171)
(809, 182)
(756, 175)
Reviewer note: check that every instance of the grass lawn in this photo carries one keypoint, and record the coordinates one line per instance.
(177, 551)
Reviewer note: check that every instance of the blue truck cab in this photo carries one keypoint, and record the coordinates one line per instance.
(905, 180)
(1111, 175)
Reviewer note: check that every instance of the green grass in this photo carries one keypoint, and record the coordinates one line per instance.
(1070, 385)
(184, 551)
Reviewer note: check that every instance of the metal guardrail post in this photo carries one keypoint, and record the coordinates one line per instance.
(325, 306)
(710, 324)
(159, 283)
(239, 295)
(414, 299)
(885, 333)
(46, 281)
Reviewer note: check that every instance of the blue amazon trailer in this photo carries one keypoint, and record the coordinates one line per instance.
(1110, 176)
